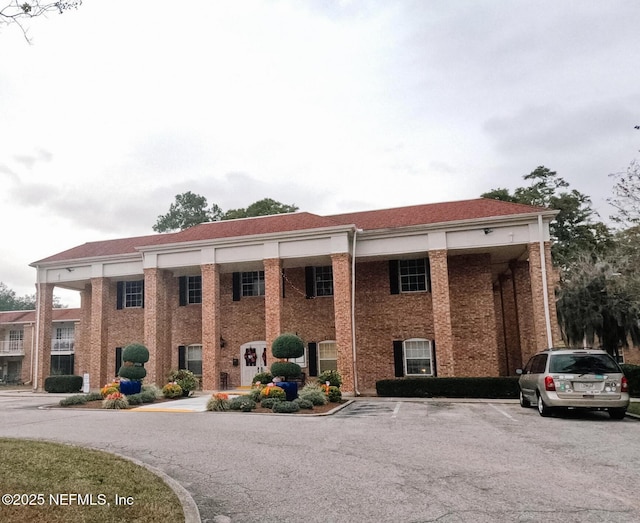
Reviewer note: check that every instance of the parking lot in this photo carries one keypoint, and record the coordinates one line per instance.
(376, 460)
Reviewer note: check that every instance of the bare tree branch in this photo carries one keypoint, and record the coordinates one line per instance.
(17, 12)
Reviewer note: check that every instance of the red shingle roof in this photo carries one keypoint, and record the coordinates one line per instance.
(30, 316)
(368, 220)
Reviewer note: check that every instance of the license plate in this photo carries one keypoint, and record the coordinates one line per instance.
(586, 386)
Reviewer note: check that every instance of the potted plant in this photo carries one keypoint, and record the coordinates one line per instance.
(132, 372)
(187, 380)
(284, 347)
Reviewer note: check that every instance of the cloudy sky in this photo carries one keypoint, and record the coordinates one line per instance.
(331, 105)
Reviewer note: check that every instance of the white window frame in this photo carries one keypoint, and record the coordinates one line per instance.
(133, 294)
(410, 275)
(252, 283)
(323, 347)
(16, 339)
(408, 353)
(189, 358)
(64, 339)
(323, 280)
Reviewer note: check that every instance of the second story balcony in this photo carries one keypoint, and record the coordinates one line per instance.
(12, 348)
(63, 345)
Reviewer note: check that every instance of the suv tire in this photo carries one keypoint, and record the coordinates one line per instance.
(543, 409)
(524, 402)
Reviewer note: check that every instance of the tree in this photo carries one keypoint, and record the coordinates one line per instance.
(600, 298)
(626, 199)
(17, 12)
(9, 301)
(188, 210)
(574, 229)
(264, 207)
(191, 209)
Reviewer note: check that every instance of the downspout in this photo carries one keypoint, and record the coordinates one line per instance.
(34, 360)
(545, 289)
(353, 311)
(33, 341)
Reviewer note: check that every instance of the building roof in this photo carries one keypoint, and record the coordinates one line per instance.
(427, 214)
(30, 316)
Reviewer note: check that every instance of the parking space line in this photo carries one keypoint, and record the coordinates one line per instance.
(502, 412)
(396, 410)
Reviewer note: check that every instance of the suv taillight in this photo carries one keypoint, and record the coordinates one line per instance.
(548, 383)
(624, 384)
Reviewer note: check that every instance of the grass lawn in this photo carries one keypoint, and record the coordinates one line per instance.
(634, 408)
(62, 483)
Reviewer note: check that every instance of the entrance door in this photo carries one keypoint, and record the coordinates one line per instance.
(253, 358)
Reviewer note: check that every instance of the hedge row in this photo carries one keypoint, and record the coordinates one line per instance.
(63, 383)
(503, 387)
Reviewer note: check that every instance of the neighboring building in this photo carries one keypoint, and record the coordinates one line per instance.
(18, 342)
(450, 289)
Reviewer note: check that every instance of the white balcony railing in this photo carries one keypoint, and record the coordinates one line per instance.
(12, 348)
(65, 345)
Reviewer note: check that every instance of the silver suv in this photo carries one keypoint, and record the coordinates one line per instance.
(580, 378)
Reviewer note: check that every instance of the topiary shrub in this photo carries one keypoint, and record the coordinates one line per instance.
(284, 347)
(304, 403)
(332, 376)
(334, 395)
(285, 407)
(262, 377)
(268, 403)
(314, 394)
(243, 403)
(134, 356)
(63, 383)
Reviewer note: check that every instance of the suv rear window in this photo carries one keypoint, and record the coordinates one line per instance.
(582, 363)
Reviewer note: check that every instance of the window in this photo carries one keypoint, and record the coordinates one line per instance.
(413, 275)
(417, 357)
(319, 281)
(16, 338)
(193, 359)
(327, 356)
(252, 283)
(194, 289)
(64, 339)
(130, 294)
(61, 364)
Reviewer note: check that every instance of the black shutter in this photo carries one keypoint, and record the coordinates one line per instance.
(394, 276)
(182, 357)
(237, 289)
(434, 363)
(182, 284)
(428, 266)
(310, 286)
(118, 359)
(398, 359)
(119, 295)
(313, 359)
(284, 280)
(143, 294)
(72, 362)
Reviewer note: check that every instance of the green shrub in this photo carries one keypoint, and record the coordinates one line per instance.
(287, 346)
(187, 380)
(632, 372)
(314, 394)
(218, 402)
(134, 357)
(303, 403)
(334, 395)
(268, 403)
(262, 377)
(63, 383)
(286, 369)
(93, 396)
(332, 376)
(78, 399)
(502, 387)
(152, 389)
(149, 396)
(132, 371)
(285, 407)
(243, 403)
(135, 399)
(172, 390)
(273, 392)
(255, 395)
(116, 400)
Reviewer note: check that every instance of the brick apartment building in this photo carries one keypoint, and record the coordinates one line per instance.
(18, 343)
(461, 288)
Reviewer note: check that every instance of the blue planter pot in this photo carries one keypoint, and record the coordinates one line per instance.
(130, 387)
(290, 389)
